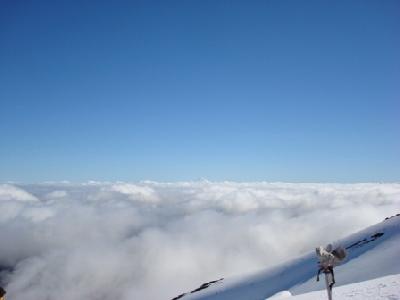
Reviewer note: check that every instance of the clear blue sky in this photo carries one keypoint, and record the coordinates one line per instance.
(178, 90)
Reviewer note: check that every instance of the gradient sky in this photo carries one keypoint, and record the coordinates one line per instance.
(179, 90)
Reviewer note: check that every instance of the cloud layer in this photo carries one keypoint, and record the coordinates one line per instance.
(152, 240)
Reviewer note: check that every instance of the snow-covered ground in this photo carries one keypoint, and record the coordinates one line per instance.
(373, 253)
(387, 287)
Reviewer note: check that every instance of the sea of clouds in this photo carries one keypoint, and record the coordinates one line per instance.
(153, 241)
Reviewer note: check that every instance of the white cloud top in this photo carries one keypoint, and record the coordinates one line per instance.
(152, 240)
(10, 192)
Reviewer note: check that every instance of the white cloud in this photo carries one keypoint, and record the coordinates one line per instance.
(56, 195)
(11, 192)
(152, 240)
(136, 192)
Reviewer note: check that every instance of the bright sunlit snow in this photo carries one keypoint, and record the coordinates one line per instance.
(383, 288)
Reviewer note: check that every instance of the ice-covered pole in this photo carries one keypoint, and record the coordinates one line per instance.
(328, 259)
(328, 286)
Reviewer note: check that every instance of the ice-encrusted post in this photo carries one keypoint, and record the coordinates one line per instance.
(329, 258)
(328, 285)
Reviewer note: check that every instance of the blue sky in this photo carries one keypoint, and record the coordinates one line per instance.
(180, 90)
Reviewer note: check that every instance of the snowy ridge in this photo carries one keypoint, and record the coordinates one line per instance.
(372, 253)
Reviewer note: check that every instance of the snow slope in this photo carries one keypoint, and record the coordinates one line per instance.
(387, 287)
(372, 253)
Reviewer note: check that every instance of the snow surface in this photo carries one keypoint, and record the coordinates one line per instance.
(387, 287)
(372, 253)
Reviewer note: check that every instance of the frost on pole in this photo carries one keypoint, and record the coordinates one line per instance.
(328, 259)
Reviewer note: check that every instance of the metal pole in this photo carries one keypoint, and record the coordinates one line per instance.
(327, 283)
